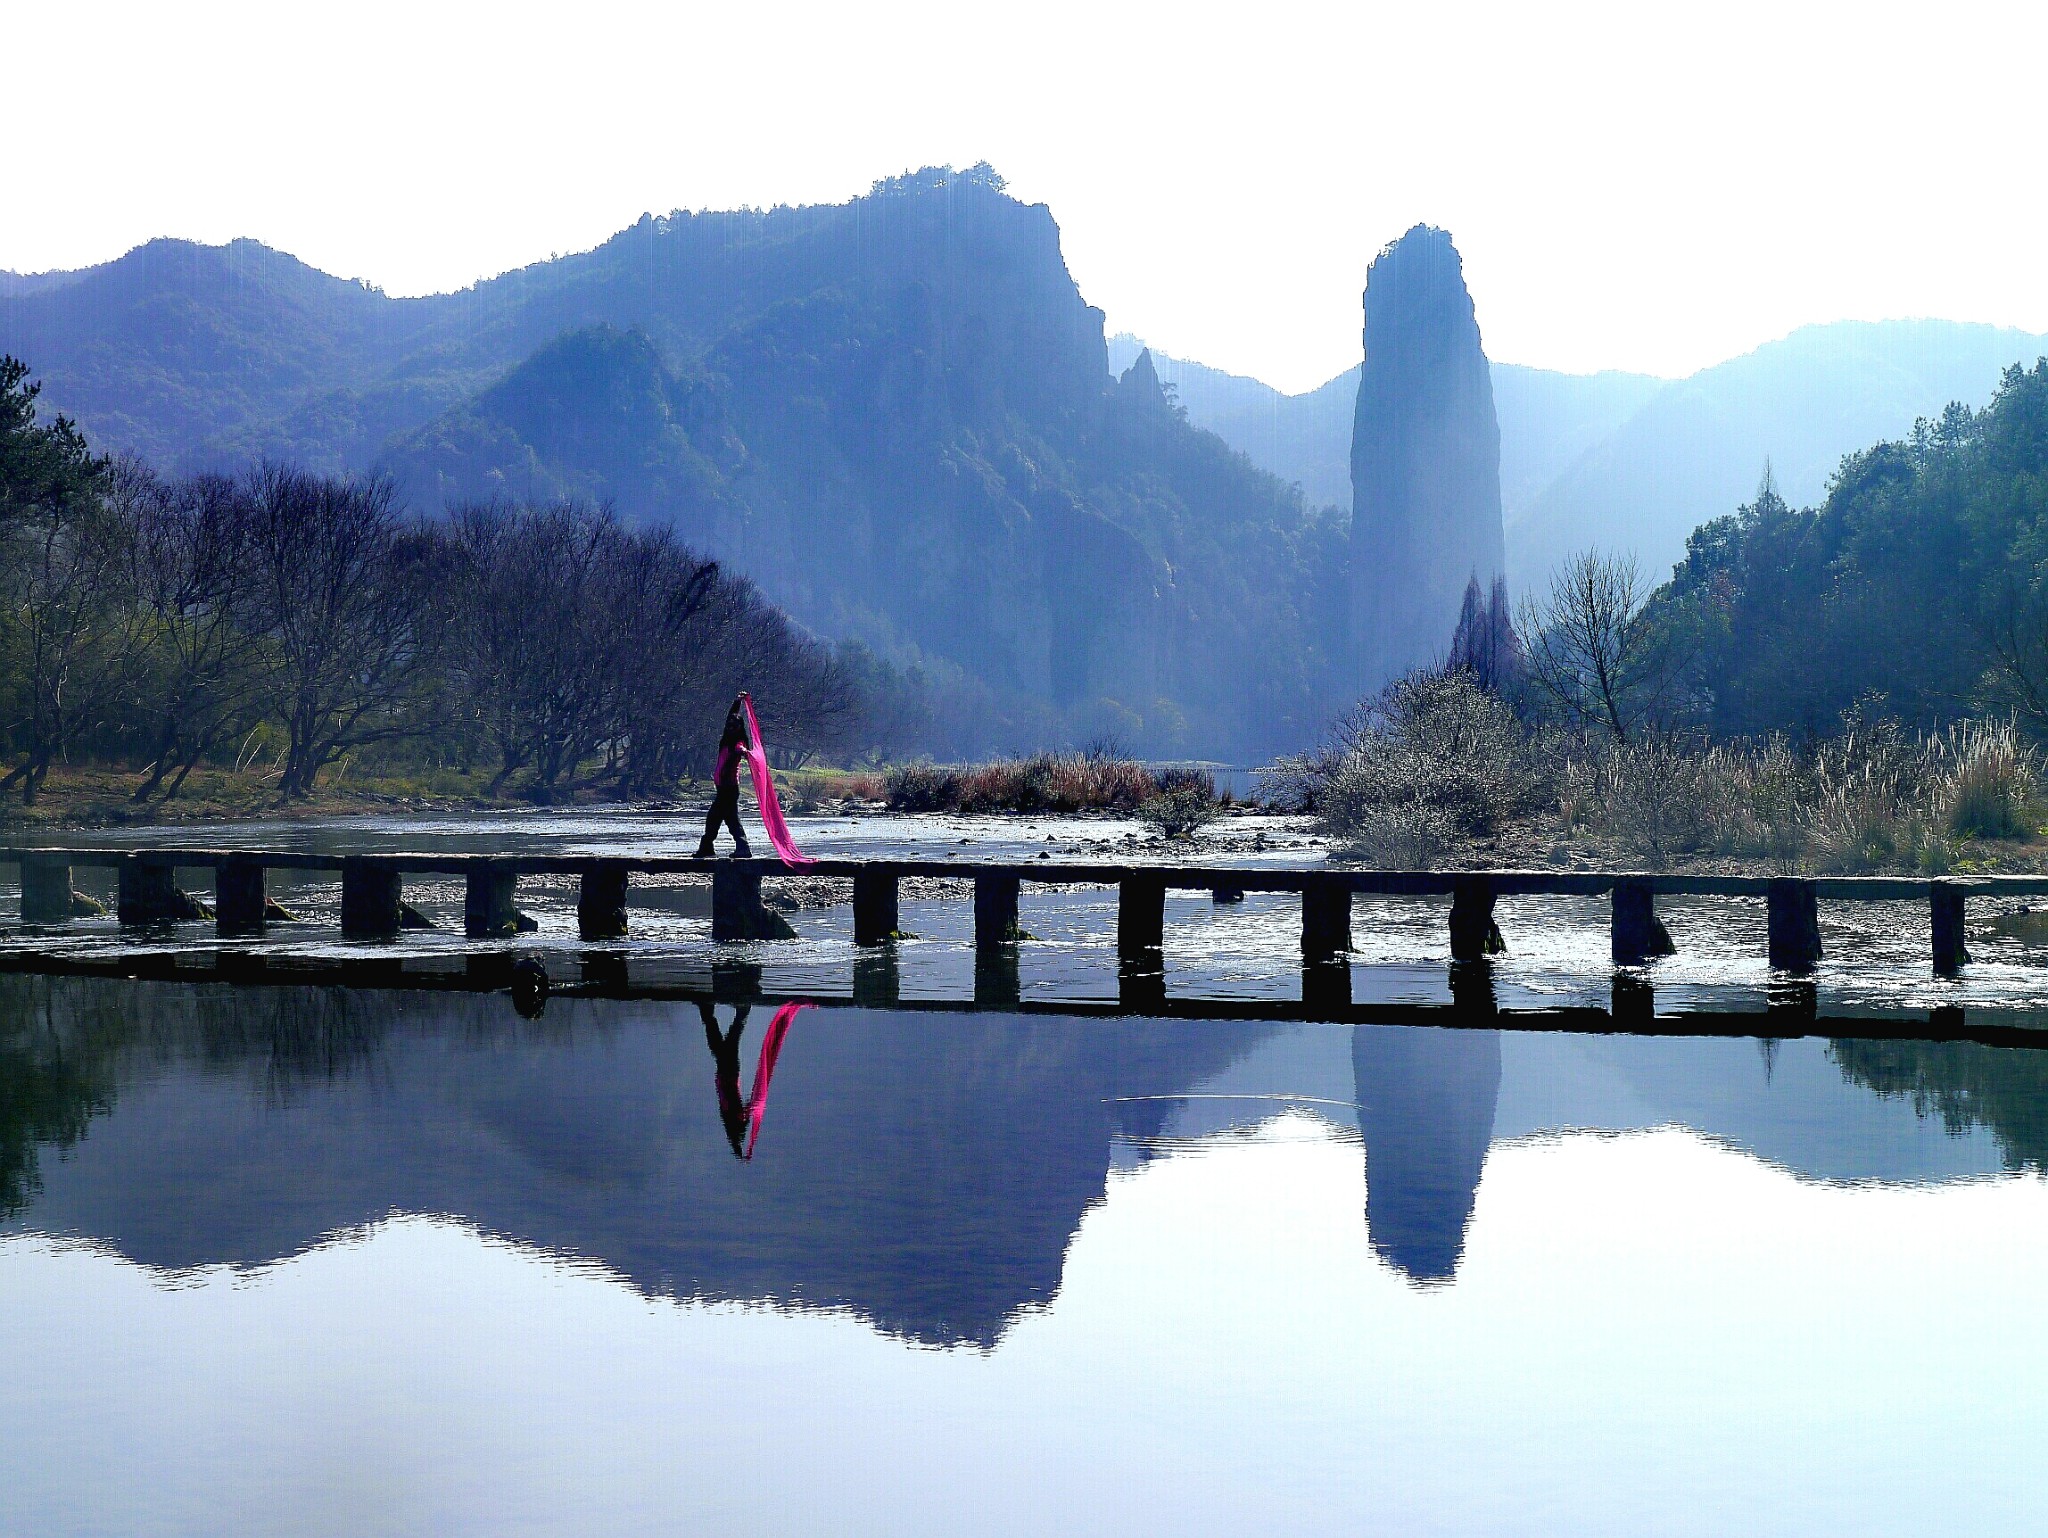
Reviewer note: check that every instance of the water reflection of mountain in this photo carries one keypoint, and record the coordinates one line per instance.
(926, 1174)
(1425, 1110)
(1427, 1104)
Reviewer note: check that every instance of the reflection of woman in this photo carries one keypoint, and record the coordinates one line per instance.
(742, 1119)
(725, 1052)
(725, 784)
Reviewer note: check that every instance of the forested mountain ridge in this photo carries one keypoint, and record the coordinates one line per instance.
(175, 346)
(1915, 589)
(896, 414)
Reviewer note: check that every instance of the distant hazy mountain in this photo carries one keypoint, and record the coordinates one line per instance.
(1628, 462)
(1547, 420)
(1697, 449)
(896, 414)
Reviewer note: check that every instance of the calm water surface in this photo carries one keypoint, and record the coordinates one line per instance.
(295, 1259)
(310, 1260)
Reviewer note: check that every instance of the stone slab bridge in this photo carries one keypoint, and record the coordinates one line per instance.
(372, 887)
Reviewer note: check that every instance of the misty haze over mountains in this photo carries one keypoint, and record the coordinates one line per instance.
(1627, 461)
(895, 414)
(900, 416)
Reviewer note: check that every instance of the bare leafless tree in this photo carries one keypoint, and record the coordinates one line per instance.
(1593, 651)
(76, 635)
(190, 575)
(340, 595)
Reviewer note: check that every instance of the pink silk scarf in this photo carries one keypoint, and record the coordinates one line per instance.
(764, 1070)
(764, 792)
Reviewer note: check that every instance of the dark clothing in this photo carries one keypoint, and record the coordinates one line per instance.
(734, 736)
(725, 809)
(725, 1053)
(725, 784)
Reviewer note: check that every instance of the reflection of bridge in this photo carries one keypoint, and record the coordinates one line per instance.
(372, 888)
(928, 1180)
(1792, 1005)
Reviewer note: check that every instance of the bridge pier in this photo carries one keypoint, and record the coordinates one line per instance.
(45, 892)
(1474, 935)
(148, 894)
(995, 913)
(876, 916)
(601, 901)
(1945, 904)
(1638, 935)
(735, 894)
(240, 901)
(1325, 919)
(371, 896)
(1792, 913)
(488, 909)
(1141, 919)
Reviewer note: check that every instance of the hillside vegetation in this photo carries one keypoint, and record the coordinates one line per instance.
(896, 415)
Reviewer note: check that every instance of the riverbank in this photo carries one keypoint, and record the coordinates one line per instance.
(81, 798)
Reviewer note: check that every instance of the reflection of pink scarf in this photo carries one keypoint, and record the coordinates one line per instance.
(764, 792)
(764, 1070)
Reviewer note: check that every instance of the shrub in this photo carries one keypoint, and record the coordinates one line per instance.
(865, 787)
(1048, 783)
(1985, 779)
(1400, 835)
(1658, 799)
(923, 788)
(1434, 757)
(1185, 803)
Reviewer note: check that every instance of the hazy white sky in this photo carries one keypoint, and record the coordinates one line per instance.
(1646, 186)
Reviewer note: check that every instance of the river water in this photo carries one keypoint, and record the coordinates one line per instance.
(308, 1259)
(1876, 960)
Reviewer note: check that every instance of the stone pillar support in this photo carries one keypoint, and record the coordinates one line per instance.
(1325, 919)
(1638, 935)
(1792, 912)
(601, 901)
(45, 892)
(371, 896)
(239, 898)
(1141, 918)
(1945, 904)
(149, 893)
(735, 898)
(1474, 935)
(875, 917)
(995, 912)
(488, 903)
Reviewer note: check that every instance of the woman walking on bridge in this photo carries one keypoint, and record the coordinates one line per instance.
(733, 743)
(741, 739)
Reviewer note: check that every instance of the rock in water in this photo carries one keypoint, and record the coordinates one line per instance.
(1425, 460)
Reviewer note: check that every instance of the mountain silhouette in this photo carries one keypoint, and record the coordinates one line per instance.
(928, 1181)
(1426, 1099)
(895, 414)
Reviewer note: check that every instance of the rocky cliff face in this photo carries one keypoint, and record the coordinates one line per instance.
(895, 414)
(1425, 460)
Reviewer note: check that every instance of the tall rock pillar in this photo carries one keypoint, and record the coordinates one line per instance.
(1425, 460)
